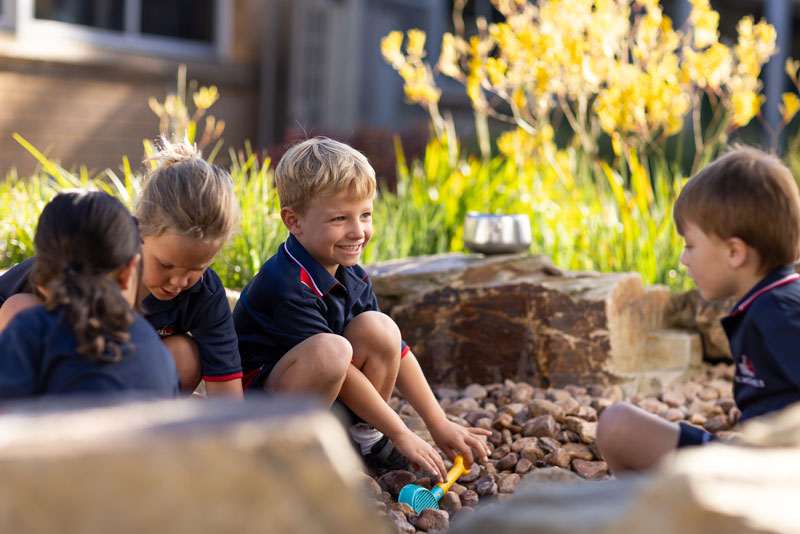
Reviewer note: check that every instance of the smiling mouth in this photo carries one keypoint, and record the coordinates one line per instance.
(351, 248)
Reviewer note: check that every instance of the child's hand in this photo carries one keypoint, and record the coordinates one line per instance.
(453, 438)
(421, 454)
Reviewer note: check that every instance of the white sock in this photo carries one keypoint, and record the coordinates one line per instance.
(365, 435)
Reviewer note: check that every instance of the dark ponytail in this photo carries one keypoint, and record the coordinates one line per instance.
(82, 237)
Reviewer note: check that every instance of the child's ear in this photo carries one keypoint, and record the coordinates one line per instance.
(291, 220)
(126, 276)
(738, 252)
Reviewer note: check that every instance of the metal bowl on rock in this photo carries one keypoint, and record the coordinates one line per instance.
(496, 234)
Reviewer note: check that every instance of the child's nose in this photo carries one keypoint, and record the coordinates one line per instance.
(179, 281)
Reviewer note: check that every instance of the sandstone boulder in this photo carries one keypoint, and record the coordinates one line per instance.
(471, 318)
(181, 467)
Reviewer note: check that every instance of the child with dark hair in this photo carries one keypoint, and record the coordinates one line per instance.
(187, 209)
(740, 220)
(86, 337)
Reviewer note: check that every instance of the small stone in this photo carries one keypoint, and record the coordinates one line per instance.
(450, 502)
(523, 466)
(555, 394)
(708, 394)
(522, 392)
(473, 475)
(673, 414)
(551, 474)
(705, 408)
(474, 416)
(673, 398)
(541, 426)
(579, 451)
(386, 497)
(549, 444)
(539, 407)
(520, 443)
(533, 452)
(457, 488)
(570, 405)
(424, 482)
(507, 483)
(590, 470)
(484, 423)
(521, 417)
(716, 424)
(371, 486)
(401, 507)
(726, 403)
(469, 498)
(568, 436)
(502, 421)
(501, 451)
(496, 438)
(575, 390)
(652, 405)
(697, 419)
(587, 413)
(465, 405)
(431, 519)
(416, 424)
(614, 393)
(509, 461)
(486, 486)
(586, 430)
(476, 391)
(447, 393)
(601, 403)
(558, 458)
(393, 481)
(400, 523)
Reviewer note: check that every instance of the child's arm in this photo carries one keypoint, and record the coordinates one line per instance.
(451, 437)
(360, 395)
(227, 388)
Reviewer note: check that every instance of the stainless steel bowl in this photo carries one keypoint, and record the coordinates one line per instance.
(496, 234)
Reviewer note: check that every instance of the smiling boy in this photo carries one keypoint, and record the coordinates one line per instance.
(309, 321)
(740, 220)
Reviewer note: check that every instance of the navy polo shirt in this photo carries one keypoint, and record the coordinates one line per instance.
(292, 298)
(764, 334)
(201, 310)
(38, 357)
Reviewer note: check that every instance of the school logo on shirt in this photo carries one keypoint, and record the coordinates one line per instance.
(746, 373)
(166, 331)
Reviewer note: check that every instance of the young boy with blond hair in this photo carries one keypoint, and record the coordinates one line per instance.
(309, 321)
(740, 220)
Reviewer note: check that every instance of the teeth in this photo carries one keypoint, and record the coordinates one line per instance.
(351, 247)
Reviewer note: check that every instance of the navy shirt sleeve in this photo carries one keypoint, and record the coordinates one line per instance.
(781, 335)
(216, 337)
(21, 348)
(15, 280)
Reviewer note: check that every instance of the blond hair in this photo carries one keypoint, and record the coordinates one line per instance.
(746, 194)
(186, 194)
(322, 167)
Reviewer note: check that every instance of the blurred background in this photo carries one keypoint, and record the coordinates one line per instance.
(76, 75)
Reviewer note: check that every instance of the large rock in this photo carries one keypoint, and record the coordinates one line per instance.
(181, 467)
(471, 318)
(688, 310)
(748, 488)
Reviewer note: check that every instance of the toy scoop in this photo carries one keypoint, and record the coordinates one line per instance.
(420, 498)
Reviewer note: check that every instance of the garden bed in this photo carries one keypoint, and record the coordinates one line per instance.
(545, 431)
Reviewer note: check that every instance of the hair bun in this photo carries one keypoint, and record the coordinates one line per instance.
(171, 153)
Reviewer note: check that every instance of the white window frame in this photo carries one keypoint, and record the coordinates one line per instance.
(18, 15)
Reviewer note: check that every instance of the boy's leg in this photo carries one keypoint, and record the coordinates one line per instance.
(318, 365)
(376, 340)
(186, 354)
(631, 439)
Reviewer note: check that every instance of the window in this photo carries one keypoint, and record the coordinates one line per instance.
(193, 28)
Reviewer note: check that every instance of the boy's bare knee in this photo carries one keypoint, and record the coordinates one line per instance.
(613, 423)
(329, 354)
(186, 354)
(374, 328)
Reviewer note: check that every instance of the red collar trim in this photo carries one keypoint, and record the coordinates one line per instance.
(746, 303)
